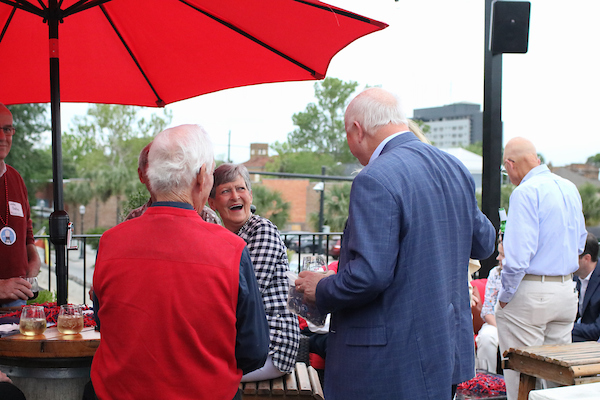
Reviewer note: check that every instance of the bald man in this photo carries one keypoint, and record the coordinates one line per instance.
(17, 249)
(545, 233)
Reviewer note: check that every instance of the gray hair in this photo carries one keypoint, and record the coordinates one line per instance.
(376, 107)
(226, 173)
(176, 157)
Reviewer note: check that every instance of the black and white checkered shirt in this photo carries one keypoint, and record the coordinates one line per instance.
(268, 254)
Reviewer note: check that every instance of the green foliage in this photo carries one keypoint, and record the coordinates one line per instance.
(594, 160)
(301, 162)
(476, 148)
(270, 205)
(335, 207)
(423, 126)
(591, 204)
(103, 150)
(33, 163)
(505, 192)
(44, 296)
(320, 127)
(134, 200)
(93, 242)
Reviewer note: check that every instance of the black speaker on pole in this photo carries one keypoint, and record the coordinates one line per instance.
(510, 27)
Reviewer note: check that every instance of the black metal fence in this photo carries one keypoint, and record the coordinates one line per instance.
(80, 261)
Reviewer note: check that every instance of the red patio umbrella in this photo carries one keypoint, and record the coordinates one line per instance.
(155, 52)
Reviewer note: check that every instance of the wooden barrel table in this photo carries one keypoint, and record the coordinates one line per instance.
(51, 366)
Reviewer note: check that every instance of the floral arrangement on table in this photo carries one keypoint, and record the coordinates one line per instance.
(51, 310)
(484, 384)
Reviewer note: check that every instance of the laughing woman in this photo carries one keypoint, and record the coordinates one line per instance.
(231, 196)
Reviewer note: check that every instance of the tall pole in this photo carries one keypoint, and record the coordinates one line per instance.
(492, 134)
(321, 208)
(229, 147)
(59, 219)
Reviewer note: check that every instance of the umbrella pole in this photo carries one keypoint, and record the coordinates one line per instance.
(59, 219)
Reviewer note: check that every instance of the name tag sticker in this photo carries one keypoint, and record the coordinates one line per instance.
(15, 209)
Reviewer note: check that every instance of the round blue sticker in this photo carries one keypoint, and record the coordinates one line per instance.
(8, 235)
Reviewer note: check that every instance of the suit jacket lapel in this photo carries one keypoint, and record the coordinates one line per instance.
(592, 286)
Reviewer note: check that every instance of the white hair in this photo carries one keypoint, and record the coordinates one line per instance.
(376, 107)
(176, 156)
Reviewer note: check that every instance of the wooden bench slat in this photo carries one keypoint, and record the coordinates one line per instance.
(303, 379)
(277, 387)
(316, 383)
(291, 384)
(250, 388)
(264, 387)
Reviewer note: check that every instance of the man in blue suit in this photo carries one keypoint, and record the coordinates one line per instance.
(401, 320)
(587, 326)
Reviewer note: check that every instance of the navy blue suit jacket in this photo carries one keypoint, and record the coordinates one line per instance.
(401, 325)
(589, 327)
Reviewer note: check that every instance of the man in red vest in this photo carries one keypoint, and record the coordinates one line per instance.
(180, 313)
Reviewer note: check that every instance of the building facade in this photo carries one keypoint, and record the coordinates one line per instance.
(453, 125)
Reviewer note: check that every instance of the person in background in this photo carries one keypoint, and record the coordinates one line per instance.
(487, 338)
(180, 313)
(17, 247)
(587, 326)
(412, 209)
(8, 391)
(231, 196)
(206, 214)
(544, 235)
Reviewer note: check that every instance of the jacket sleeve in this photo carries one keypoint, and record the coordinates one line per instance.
(252, 340)
(589, 329)
(586, 332)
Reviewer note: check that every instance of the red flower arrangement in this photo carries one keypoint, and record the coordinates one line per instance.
(51, 310)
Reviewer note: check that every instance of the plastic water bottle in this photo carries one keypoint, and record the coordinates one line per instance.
(502, 213)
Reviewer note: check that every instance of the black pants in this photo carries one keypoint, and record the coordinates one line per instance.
(8, 391)
(89, 394)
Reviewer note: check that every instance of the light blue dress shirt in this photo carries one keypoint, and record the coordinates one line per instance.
(545, 230)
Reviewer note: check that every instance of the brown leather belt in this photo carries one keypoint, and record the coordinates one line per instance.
(548, 278)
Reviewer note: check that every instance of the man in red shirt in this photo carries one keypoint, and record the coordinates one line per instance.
(17, 249)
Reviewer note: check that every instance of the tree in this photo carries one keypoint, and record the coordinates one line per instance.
(301, 162)
(476, 148)
(320, 127)
(270, 205)
(594, 160)
(104, 147)
(336, 206)
(33, 162)
(591, 203)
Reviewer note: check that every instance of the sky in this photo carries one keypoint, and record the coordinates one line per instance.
(432, 54)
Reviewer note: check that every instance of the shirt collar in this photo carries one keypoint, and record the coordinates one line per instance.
(587, 278)
(540, 169)
(2, 168)
(175, 204)
(379, 148)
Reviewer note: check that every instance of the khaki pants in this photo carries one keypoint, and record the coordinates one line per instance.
(539, 313)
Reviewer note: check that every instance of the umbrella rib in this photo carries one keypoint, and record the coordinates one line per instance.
(314, 73)
(25, 6)
(344, 13)
(83, 5)
(159, 101)
(7, 23)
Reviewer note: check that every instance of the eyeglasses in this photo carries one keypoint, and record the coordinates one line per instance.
(503, 168)
(8, 130)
